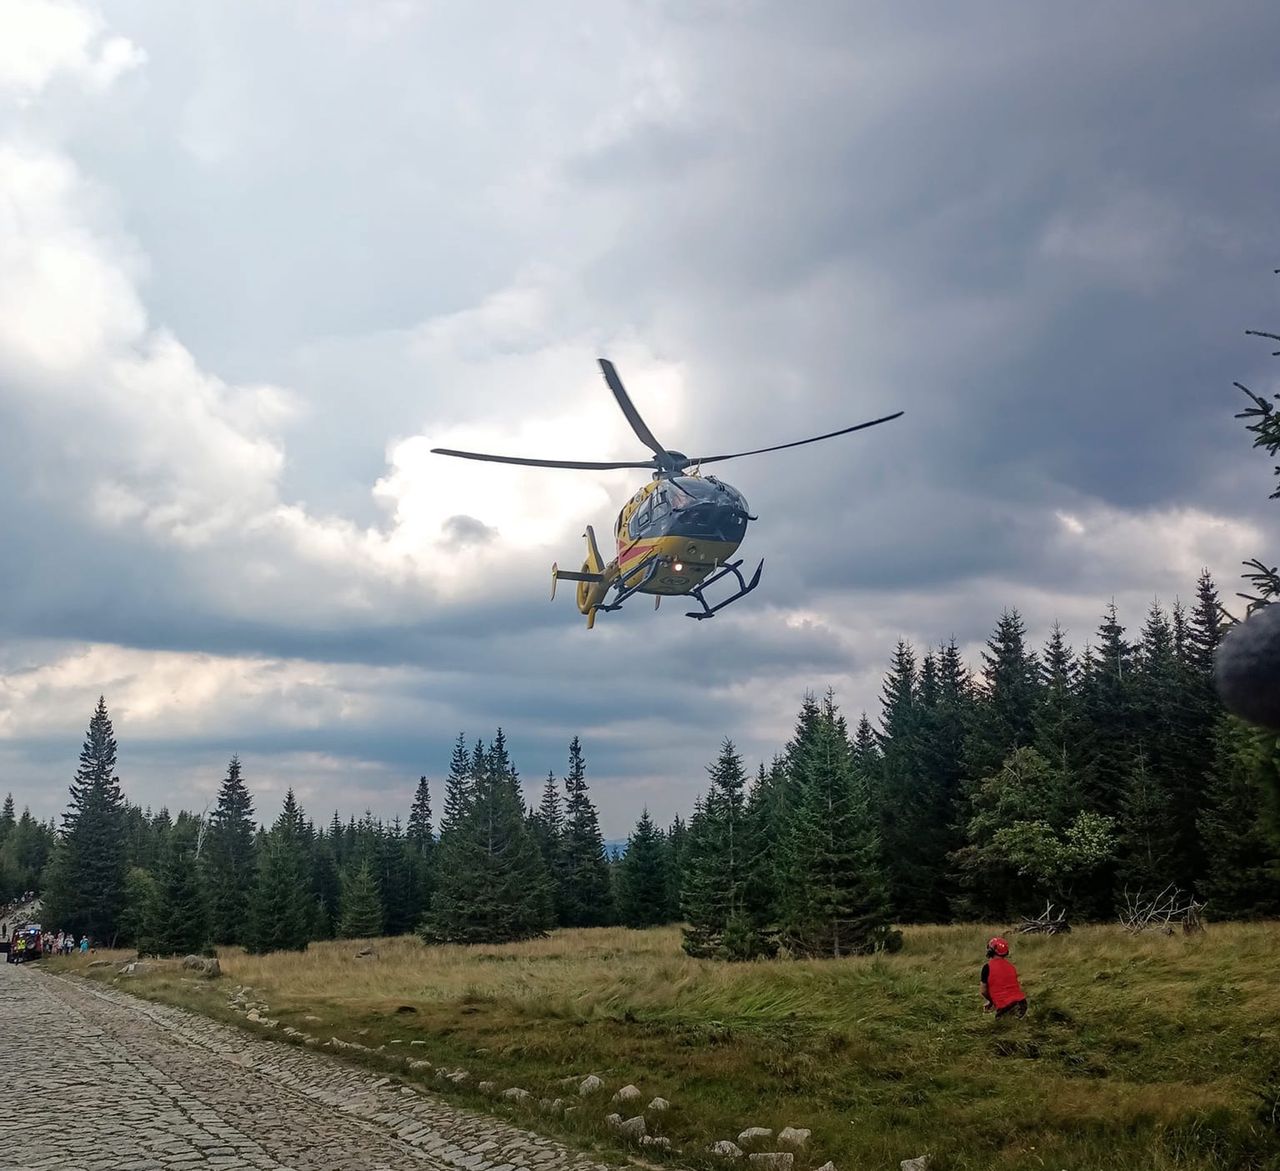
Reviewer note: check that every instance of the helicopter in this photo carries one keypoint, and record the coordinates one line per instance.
(676, 535)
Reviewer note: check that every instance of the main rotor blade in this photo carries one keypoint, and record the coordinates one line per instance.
(582, 465)
(638, 425)
(710, 459)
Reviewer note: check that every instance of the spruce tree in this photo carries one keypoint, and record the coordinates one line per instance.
(1004, 713)
(585, 895)
(282, 909)
(896, 789)
(547, 823)
(643, 880)
(420, 847)
(87, 879)
(1056, 720)
(493, 886)
(227, 858)
(1242, 880)
(361, 914)
(325, 887)
(177, 922)
(1107, 706)
(677, 838)
(395, 880)
(1147, 848)
(833, 898)
(458, 786)
(139, 896)
(723, 920)
(7, 819)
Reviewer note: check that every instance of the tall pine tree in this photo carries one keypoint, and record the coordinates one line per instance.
(86, 892)
(227, 858)
(642, 876)
(585, 896)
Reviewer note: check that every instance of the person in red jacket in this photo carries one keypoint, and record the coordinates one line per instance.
(999, 980)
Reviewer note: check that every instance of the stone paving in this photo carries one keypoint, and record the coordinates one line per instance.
(91, 1078)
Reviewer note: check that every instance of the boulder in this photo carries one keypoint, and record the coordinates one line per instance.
(516, 1094)
(137, 968)
(590, 1085)
(253, 1015)
(205, 965)
(626, 1095)
(459, 1076)
(827, 1166)
(658, 1105)
(557, 1106)
(793, 1137)
(726, 1149)
(919, 1163)
(613, 1121)
(772, 1160)
(488, 1087)
(633, 1128)
(656, 1140)
(753, 1136)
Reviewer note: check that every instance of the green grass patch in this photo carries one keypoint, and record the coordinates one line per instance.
(1152, 1053)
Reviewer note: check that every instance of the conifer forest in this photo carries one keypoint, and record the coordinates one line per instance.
(1040, 775)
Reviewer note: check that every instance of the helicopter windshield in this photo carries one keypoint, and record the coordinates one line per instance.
(690, 491)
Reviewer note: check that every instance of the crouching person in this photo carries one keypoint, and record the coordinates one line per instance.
(999, 980)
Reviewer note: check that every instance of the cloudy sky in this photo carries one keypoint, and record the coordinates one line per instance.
(257, 258)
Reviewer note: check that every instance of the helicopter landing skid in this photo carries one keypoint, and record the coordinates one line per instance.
(744, 588)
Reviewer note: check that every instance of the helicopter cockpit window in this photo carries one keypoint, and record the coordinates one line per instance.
(641, 518)
(661, 505)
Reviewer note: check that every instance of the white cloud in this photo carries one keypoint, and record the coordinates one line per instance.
(47, 38)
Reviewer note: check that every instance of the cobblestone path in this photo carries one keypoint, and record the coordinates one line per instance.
(91, 1078)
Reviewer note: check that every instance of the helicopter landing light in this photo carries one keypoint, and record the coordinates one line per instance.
(678, 566)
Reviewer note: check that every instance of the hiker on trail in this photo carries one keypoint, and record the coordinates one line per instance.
(999, 980)
(84, 945)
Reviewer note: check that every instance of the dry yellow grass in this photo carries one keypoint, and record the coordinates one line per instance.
(1139, 1052)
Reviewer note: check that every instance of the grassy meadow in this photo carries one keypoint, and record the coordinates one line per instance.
(1155, 1052)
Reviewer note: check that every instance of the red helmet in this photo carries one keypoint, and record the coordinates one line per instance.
(998, 946)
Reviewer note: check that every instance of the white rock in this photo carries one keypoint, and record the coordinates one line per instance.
(652, 1140)
(794, 1137)
(827, 1166)
(488, 1087)
(625, 1095)
(754, 1135)
(633, 1128)
(658, 1105)
(253, 1015)
(613, 1121)
(726, 1150)
(772, 1160)
(516, 1094)
(590, 1085)
(919, 1163)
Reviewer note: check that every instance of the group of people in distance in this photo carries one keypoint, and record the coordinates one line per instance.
(29, 942)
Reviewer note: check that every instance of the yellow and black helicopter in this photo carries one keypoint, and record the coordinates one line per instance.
(675, 535)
